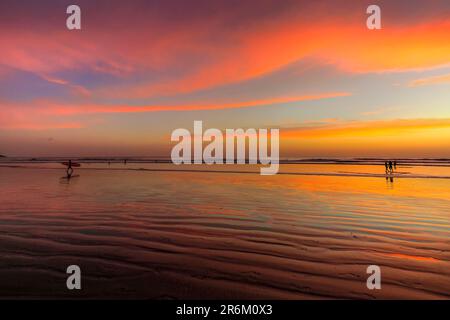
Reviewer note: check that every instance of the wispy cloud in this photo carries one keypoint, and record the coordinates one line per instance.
(162, 57)
(62, 109)
(442, 79)
(77, 89)
(42, 113)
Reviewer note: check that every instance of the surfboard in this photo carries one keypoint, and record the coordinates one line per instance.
(74, 164)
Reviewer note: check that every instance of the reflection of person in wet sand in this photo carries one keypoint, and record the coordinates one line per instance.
(390, 179)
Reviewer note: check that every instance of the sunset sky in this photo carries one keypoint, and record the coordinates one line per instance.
(139, 69)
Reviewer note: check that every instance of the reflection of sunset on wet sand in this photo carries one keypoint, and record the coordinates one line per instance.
(224, 235)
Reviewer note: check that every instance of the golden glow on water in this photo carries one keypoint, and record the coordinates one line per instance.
(405, 256)
(292, 231)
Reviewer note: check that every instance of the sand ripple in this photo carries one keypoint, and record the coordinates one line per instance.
(192, 235)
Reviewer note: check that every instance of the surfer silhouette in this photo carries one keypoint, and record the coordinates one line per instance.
(69, 169)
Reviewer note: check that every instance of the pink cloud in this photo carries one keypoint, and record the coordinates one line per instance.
(17, 117)
(48, 114)
(207, 52)
(62, 109)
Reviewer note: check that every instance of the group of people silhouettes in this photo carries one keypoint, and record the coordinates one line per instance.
(390, 166)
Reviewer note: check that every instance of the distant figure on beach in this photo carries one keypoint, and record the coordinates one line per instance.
(69, 170)
(386, 166)
(125, 161)
(395, 165)
(390, 167)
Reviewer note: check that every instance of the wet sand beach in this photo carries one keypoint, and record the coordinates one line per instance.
(148, 232)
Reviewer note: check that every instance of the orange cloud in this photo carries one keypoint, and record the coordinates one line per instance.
(349, 46)
(41, 113)
(197, 62)
(430, 81)
(366, 128)
(53, 108)
(389, 138)
(18, 117)
(28, 124)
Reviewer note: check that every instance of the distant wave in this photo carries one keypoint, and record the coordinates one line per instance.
(119, 159)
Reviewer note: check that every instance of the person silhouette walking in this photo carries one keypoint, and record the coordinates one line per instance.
(69, 170)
